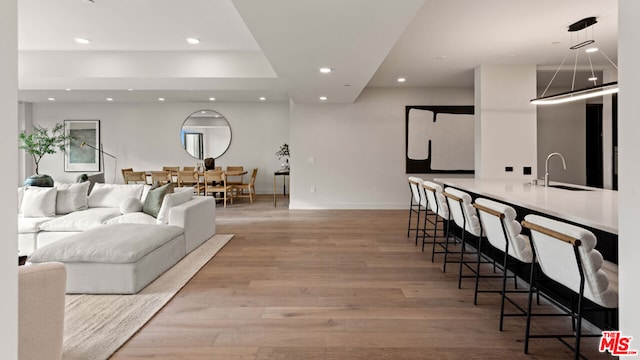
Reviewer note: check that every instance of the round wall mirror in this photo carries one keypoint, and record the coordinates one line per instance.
(205, 134)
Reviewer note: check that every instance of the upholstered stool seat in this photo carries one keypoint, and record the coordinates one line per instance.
(116, 258)
(438, 205)
(503, 232)
(466, 218)
(566, 254)
(417, 204)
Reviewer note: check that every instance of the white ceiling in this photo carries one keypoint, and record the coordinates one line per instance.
(274, 48)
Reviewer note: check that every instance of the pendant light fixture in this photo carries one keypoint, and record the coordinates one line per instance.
(579, 46)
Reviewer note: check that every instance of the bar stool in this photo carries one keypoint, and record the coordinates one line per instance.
(415, 205)
(567, 255)
(503, 233)
(466, 218)
(438, 205)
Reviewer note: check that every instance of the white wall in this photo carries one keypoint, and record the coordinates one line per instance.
(147, 136)
(359, 148)
(561, 128)
(629, 153)
(505, 121)
(9, 151)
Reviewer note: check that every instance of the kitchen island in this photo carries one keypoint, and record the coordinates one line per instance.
(592, 208)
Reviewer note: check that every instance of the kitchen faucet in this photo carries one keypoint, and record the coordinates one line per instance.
(546, 167)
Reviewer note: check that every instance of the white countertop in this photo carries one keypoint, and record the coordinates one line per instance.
(597, 208)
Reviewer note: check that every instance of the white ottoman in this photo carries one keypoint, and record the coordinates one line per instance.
(116, 258)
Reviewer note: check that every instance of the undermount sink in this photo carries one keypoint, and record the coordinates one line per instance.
(571, 188)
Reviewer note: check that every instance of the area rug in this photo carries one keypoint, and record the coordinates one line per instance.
(96, 326)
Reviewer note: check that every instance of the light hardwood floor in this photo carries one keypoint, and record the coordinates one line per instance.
(331, 285)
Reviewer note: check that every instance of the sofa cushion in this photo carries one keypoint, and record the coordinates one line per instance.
(110, 195)
(71, 197)
(133, 218)
(180, 196)
(154, 199)
(130, 205)
(38, 202)
(114, 243)
(30, 225)
(81, 220)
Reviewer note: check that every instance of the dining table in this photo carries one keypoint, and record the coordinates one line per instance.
(174, 174)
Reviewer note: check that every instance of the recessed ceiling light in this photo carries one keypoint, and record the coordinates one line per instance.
(591, 49)
(401, 80)
(212, 99)
(67, 89)
(262, 98)
(83, 41)
(593, 78)
(323, 98)
(109, 99)
(51, 99)
(325, 70)
(193, 41)
(160, 99)
(129, 89)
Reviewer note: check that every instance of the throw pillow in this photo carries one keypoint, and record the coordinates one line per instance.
(154, 199)
(39, 202)
(171, 200)
(145, 191)
(71, 197)
(130, 205)
(110, 195)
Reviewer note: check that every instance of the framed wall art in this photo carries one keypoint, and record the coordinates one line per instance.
(439, 139)
(82, 153)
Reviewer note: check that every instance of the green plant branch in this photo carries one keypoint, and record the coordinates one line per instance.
(284, 151)
(40, 142)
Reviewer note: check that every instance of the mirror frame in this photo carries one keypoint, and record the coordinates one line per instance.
(183, 135)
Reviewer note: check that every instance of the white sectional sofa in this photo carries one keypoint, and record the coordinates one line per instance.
(107, 242)
(41, 311)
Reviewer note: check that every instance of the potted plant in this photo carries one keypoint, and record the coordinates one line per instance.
(40, 142)
(284, 152)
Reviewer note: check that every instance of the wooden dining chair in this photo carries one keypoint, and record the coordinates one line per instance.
(189, 168)
(235, 168)
(124, 173)
(173, 170)
(162, 177)
(216, 182)
(135, 177)
(250, 186)
(190, 179)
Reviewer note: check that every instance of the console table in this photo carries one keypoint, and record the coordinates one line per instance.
(284, 173)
